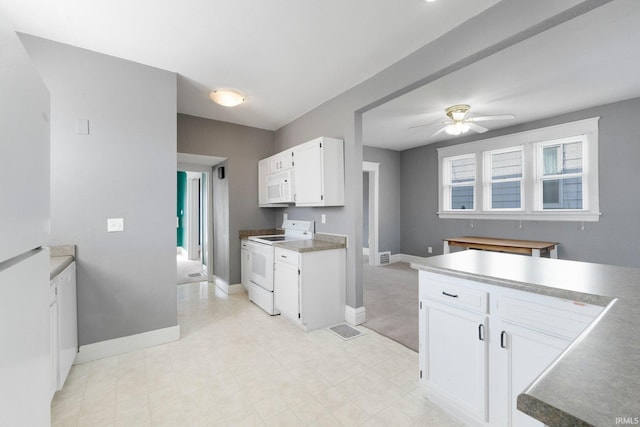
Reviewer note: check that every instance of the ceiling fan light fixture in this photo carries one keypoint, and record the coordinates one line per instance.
(456, 128)
(226, 97)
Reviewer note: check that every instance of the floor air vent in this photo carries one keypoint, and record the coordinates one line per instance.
(346, 332)
(384, 258)
(195, 275)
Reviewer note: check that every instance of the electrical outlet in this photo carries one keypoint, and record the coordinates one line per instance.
(429, 250)
(324, 219)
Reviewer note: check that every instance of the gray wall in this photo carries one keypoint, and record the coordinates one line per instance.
(242, 146)
(340, 117)
(615, 239)
(125, 168)
(24, 149)
(220, 219)
(389, 196)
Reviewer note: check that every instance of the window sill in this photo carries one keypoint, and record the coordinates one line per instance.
(525, 216)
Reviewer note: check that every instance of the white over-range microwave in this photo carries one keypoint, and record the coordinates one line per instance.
(280, 187)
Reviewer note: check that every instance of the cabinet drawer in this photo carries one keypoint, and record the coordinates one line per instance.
(456, 295)
(286, 256)
(553, 316)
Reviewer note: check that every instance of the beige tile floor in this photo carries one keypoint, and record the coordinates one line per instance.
(237, 366)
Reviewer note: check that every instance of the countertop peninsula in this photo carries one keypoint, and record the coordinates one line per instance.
(320, 242)
(597, 379)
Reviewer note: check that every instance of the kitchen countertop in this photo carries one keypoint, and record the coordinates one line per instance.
(597, 379)
(320, 242)
(243, 234)
(61, 257)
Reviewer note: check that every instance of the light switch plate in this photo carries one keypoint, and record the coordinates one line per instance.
(82, 127)
(115, 224)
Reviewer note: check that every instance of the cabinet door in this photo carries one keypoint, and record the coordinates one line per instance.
(456, 352)
(308, 173)
(53, 343)
(287, 290)
(263, 171)
(67, 322)
(525, 355)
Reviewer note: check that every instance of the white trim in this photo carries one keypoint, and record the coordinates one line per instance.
(529, 141)
(355, 316)
(193, 215)
(116, 346)
(374, 201)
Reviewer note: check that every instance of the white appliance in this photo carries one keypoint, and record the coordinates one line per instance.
(261, 290)
(280, 187)
(25, 347)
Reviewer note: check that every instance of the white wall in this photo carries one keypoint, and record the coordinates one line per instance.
(125, 168)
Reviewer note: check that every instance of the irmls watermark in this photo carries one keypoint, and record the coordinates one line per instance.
(627, 421)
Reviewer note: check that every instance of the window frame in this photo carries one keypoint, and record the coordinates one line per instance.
(541, 177)
(489, 181)
(450, 185)
(531, 192)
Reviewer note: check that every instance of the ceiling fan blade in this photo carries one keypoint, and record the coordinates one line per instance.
(439, 131)
(476, 128)
(485, 118)
(427, 124)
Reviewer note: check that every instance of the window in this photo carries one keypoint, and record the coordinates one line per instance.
(505, 178)
(461, 182)
(561, 174)
(543, 174)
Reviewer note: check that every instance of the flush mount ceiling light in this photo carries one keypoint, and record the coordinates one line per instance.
(226, 97)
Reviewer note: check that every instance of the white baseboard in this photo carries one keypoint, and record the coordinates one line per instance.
(354, 316)
(406, 258)
(116, 346)
(227, 288)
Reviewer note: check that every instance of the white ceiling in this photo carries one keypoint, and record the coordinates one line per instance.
(286, 56)
(588, 61)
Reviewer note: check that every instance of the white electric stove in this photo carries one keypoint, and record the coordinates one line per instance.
(261, 255)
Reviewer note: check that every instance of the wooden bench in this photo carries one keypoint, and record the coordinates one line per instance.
(526, 247)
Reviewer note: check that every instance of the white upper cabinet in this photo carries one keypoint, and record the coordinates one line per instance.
(281, 161)
(319, 172)
(315, 168)
(263, 176)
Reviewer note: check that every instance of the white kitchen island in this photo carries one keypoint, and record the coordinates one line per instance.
(515, 340)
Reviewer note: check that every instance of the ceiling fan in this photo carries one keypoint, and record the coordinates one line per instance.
(460, 123)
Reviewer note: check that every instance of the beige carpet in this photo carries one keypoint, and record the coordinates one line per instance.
(391, 302)
(188, 271)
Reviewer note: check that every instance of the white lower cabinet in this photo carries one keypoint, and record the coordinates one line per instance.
(63, 324)
(310, 287)
(460, 373)
(526, 353)
(480, 345)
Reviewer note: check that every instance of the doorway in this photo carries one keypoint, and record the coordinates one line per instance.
(191, 219)
(370, 177)
(194, 258)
